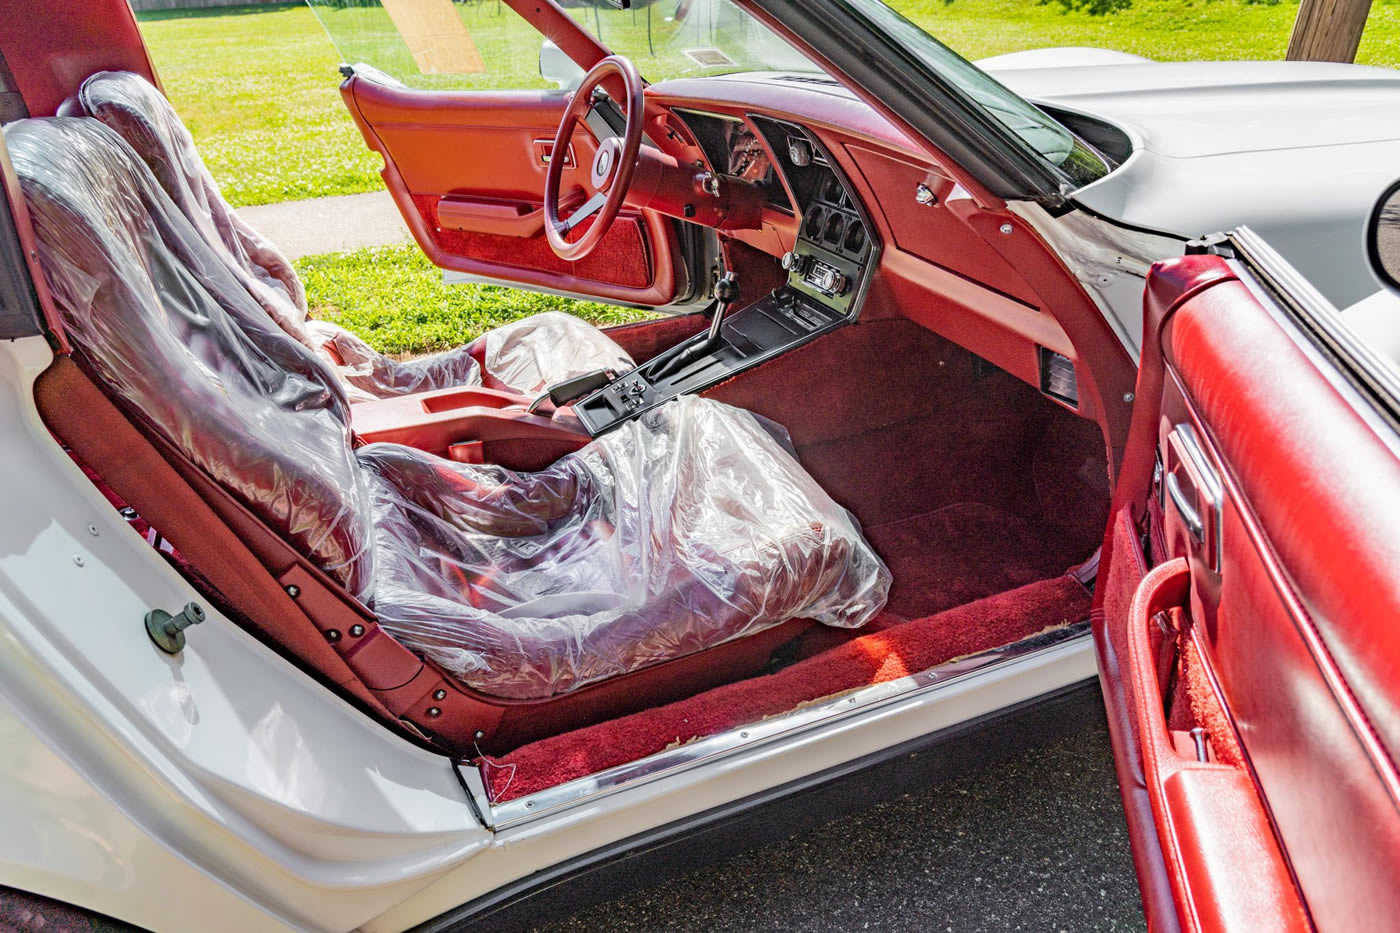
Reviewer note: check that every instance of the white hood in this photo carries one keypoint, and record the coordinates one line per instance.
(1297, 150)
(1187, 109)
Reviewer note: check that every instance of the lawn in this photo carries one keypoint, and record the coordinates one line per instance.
(396, 300)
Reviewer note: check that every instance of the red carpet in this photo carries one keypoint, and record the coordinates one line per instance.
(965, 552)
(884, 654)
(969, 483)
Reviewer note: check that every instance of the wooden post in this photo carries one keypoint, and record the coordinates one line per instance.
(1328, 30)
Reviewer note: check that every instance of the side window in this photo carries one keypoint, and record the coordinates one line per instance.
(478, 45)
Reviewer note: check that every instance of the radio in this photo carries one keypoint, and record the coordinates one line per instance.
(826, 279)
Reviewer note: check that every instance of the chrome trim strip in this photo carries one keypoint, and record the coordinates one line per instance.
(685, 757)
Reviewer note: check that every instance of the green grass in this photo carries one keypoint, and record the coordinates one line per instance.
(257, 85)
(258, 91)
(396, 300)
(1166, 30)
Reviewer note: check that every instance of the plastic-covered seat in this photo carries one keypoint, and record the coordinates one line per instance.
(687, 528)
(525, 356)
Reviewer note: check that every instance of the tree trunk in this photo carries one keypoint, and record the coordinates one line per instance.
(1328, 30)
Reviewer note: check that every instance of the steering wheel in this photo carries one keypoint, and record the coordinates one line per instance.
(613, 164)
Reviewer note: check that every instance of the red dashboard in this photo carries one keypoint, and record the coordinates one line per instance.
(936, 267)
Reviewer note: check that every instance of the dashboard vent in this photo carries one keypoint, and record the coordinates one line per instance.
(809, 79)
(1057, 378)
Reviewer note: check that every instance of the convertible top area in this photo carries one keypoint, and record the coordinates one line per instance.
(906, 454)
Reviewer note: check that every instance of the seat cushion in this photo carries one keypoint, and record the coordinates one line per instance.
(527, 355)
(681, 530)
(524, 357)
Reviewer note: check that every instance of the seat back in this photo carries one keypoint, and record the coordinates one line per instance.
(138, 112)
(141, 115)
(177, 340)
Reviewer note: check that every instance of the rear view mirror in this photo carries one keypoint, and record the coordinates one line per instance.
(559, 68)
(1383, 237)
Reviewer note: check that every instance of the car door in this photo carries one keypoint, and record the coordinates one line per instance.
(451, 97)
(1251, 672)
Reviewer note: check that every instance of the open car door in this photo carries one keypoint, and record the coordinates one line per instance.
(1253, 674)
(467, 146)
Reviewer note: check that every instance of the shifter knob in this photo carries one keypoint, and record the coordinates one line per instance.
(727, 289)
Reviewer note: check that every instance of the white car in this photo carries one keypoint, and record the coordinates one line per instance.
(920, 464)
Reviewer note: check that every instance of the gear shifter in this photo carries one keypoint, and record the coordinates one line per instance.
(726, 293)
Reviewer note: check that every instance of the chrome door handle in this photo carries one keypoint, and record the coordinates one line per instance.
(1196, 493)
(1189, 516)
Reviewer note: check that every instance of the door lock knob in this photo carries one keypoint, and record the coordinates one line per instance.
(168, 631)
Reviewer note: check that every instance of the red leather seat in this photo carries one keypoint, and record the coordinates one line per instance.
(687, 528)
(525, 356)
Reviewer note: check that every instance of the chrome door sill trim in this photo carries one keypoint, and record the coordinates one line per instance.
(742, 738)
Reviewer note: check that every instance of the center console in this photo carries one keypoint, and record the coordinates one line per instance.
(470, 424)
(828, 271)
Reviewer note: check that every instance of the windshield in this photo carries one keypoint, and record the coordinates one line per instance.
(1034, 126)
(479, 46)
(708, 37)
(689, 38)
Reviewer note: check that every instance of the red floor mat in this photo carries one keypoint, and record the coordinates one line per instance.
(965, 552)
(876, 657)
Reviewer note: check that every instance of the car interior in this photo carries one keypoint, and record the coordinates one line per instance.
(886, 443)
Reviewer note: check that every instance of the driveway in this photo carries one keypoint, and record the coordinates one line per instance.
(1035, 843)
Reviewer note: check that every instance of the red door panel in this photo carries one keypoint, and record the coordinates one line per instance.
(467, 171)
(1275, 517)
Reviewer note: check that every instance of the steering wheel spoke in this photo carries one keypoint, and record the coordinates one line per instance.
(586, 210)
(613, 165)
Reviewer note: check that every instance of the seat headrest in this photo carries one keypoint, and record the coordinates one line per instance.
(176, 339)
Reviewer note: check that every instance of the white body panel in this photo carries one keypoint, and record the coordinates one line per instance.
(268, 787)
(1297, 151)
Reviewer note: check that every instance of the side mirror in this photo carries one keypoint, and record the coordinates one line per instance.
(1383, 237)
(559, 68)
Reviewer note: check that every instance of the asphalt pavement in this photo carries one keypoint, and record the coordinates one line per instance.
(1035, 843)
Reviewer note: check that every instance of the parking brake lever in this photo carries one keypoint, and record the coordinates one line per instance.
(726, 293)
(562, 393)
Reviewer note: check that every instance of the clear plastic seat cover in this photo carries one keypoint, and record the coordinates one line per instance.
(681, 530)
(525, 356)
